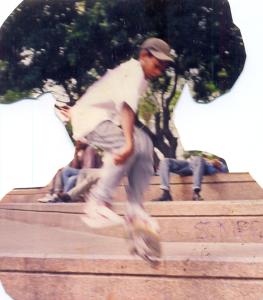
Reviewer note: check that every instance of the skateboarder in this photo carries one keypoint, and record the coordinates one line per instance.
(104, 117)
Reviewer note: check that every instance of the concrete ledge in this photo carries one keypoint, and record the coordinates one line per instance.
(41, 263)
(203, 264)
(210, 191)
(231, 186)
(225, 221)
(89, 287)
(78, 253)
(165, 209)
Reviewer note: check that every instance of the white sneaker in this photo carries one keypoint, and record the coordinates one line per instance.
(98, 215)
(136, 212)
(144, 234)
(47, 198)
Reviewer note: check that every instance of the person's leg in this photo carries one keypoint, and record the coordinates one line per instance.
(69, 178)
(141, 170)
(167, 165)
(57, 184)
(111, 176)
(142, 230)
(83, 173)
(198, 167)
(164, 172)
(66, 173)
(86, 179)
(70, 183)
(108, 137)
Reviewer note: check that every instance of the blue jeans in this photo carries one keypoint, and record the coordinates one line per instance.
(69, 178)
(195, 167)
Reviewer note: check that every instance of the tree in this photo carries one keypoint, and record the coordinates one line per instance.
(73, 43)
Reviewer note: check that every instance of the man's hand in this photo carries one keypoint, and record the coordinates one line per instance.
(127, 117)
(120, 157)
(216, 163)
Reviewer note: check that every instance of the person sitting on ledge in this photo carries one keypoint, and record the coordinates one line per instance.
(65, 185)
(196, 165)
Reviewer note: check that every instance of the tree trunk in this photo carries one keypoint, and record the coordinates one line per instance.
(72, 101)
(163, 133)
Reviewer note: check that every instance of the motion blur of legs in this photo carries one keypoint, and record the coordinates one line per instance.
(138, 168)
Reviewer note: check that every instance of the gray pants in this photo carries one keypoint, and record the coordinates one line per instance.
(138, 167)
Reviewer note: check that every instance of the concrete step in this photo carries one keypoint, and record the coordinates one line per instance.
(210, 191)
(180, 221)
(231, 186)
(42, 263)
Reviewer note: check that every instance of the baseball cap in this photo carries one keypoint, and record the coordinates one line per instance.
(158, 48)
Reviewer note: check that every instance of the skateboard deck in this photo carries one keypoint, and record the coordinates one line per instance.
(144, 241)
(141, 231)
(142, 238)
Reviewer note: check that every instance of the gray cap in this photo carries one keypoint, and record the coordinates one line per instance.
(158, 48)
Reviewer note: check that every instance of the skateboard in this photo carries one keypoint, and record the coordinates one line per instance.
(138, 228)
(143, 237)
(142, 233)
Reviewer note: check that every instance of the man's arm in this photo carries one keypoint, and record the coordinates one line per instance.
(127, 117)
(64, 111)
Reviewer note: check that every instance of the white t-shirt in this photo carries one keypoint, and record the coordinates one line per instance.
(104, 99)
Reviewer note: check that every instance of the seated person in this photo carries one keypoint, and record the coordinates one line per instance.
(70, 173)
(87, 176)
(197, 166)
(86, 179)
(85, 157)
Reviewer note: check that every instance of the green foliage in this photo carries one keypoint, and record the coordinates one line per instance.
(3, 66)
(174, 101)
(147, 108)
(222, 73)
(74, 42)
(211, 87)
(70, 131)
(13, 95)
(67, 39)
(188, 154)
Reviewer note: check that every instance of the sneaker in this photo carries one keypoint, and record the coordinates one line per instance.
(98, 215)
(166, 196)
(143, 234)
(55, 199)
(196, 195)
(47, 198)
(65, 197)
(136, 214)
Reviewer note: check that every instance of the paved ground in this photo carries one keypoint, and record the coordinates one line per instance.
(63, 264)
(19, 238)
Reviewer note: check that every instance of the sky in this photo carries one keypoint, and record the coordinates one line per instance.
(230, 127)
